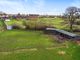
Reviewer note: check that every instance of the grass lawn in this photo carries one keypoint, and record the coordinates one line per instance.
(16, 39)
(56, 22)
(34, 45)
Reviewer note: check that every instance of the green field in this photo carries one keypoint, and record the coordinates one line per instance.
(16, 39)
(34, 45)
(23, 44)
(54, 22)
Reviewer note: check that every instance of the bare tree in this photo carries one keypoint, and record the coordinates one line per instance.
(72, 13)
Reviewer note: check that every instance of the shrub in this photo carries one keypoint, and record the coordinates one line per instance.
(78, 22)
(40, 25)
(37, 25)
(30, 24)
(18, 25)
(2, 25)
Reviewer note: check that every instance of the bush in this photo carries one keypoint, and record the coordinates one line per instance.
(40, 25)
(78, 22)
(37, 25)
(2, 25)
(30, 24)
(18, 25)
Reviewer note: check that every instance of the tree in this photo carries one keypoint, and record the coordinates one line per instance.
(72, 14)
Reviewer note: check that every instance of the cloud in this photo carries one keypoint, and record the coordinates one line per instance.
(22, 6)
(39, 3)
(10, 0)
(29, 6)
(38, 6)
(12, 6)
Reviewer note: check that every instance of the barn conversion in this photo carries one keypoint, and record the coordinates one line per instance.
(62, 33)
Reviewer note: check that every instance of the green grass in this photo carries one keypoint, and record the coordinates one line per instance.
(16, 45)
(12, 22)
(55, 22)
(59, 23)
(23, 39)
(36, 55)
(21, 45)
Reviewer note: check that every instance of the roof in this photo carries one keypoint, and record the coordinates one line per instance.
(62, 31)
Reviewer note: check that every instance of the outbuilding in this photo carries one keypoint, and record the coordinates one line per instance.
(62, 33)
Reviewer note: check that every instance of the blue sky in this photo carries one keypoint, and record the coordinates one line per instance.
(50, 7)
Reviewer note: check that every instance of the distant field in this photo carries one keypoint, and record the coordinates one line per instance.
(34, 45)
(55, 22)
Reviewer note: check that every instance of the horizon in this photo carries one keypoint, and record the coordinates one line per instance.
(41, 7)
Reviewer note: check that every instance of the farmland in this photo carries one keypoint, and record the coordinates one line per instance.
(39, 29)
(20, 44)
(34, 45)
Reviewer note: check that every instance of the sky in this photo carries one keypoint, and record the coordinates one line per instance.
(46, 7)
